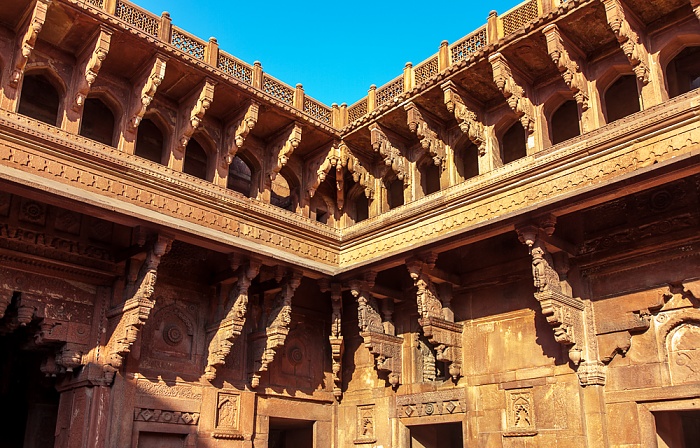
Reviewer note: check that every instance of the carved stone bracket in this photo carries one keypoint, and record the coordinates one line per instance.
(570, 317)
(133, 313)
(360, 174)
(393, 158)
(277, 328)
(146, 90)
(428, 131)
(696, 7)
(335, 159)
(564, 55)
(231, 325)
(28, 40)
(282, 149)
(627, 32)
(513, 92)
(444, 335)
(336, 338)
(466, 118)
(193, 114)
(94, 56)
(238, 130)
(386, 348)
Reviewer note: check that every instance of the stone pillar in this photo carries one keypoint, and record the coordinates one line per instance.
(83, 415)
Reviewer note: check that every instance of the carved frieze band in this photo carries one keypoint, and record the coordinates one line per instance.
(230, 326)
(429, 404)
(627, 32)
(28, 40)
(133, 313)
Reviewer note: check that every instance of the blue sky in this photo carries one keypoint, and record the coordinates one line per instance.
(336, 49)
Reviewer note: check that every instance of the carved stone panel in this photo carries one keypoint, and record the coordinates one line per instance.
(365, 425)
(427, 404)
(228, 410)
(520, 413)
(684, 353)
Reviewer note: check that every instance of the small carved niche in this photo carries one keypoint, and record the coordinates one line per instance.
(683, 344)
(228, 410)
(365, 425)
(520, 415)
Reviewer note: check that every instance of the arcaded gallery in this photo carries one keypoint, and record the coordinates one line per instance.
(498, 248)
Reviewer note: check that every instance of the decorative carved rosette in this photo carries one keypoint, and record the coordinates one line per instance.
(466, 118)
(198, 106)
(239, 129)
(91, 67)
(144, 96)
(428, 132)
(231, 325)
(283, 148)
(562, 52)
(28, 41)
(133, 313)
(513, 92)
(627, 34)
(445, 336)
(392, 156)
(278, 320)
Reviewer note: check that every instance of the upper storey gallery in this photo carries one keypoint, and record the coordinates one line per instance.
(539, 77)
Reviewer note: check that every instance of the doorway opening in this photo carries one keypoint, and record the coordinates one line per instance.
(677, 429)
(437, 436)
(291, 433)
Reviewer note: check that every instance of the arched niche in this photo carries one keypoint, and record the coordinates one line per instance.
(683, 71)
(284, 190)
(429, 176)
(199, 154)
(466, 157)
(241, 176)
(98, 122)
(513, 143)
(394, 191)
(41, 96)
(564, 122)
(150, 139)
(621, 97)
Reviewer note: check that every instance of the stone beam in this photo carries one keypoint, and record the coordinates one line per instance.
(466, 118)
(428, 130)
(628, 33)
(513, 91)
(229, 328)
(282, 149)
(25, 46)
(393, 157)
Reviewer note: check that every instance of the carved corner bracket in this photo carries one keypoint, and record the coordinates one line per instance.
(282, 149)
(385, 347)
(695, 4)
(238, 130)
(393, 158)
(428, 131)
(94, 56)
(466, 118)
(444, 335)
(133, 313)
(335, 159)
(230, 327)
(564, 55)
(28, 40)
(277, 328)
(627, 32)
(192, 115)
(146, 90)
(514, 92)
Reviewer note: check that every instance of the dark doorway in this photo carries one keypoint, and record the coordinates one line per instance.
(196, 160)
(150, 141)
(97, 122)
(430, 178)
(565, 122)
(29, 397)
(442, 435)
(395, 193)
(289, 433)
(683, 72)
(39, 99)
(677, 429)
(622, 98)
(514, 143)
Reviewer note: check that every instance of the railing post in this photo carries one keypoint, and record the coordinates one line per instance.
(494, 28)
(110, 6)
(409, 80)
(166, 27)
(298, 99)
(211, 54)
(343, 115)
(548, 6)
(444, 56)
(257, 75)
(372, 98)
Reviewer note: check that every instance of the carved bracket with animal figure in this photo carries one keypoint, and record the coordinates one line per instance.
(628, 33)
(28, 40)
(392, 155)
(145, 90)
(92, 59)
(514, 91)
(466, 118)
(240, 126)
(282, 148)
(192, 114)
(429, 131)
(565, 55)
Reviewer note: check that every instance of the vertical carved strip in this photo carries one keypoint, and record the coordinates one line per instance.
(336, 339)
(28, 41)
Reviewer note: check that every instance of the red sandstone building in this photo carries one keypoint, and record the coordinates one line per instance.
(499, 248)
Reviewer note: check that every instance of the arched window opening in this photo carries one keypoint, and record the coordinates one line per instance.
(513, 143)
(467, 160)
(394, 193)
(430, 178)
(97, 122)
(195, 160)
(149, 141)
(39, 99)
(683, 72)
(622, 98)
(281, 194)
(240, 176)
(565, 122)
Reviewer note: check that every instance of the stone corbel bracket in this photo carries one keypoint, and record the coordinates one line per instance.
(466, 118)
(146, 90)
(444, 335)
(514, 92)
(359, 172)
(193, 113)
(277, 329)
(237, 132)
(282, 149)
(94, 56)
(393, 158)
(230, 327)
(564, 55)
(335, 159)
(386, 348)
(428, 131)
(28, 41)
(570, 317)
(627, 32)
(696, 7)
(133, 313)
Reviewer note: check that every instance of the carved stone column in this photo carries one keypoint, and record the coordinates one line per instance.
(229, 328)
(336, 339)
(696, 7)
